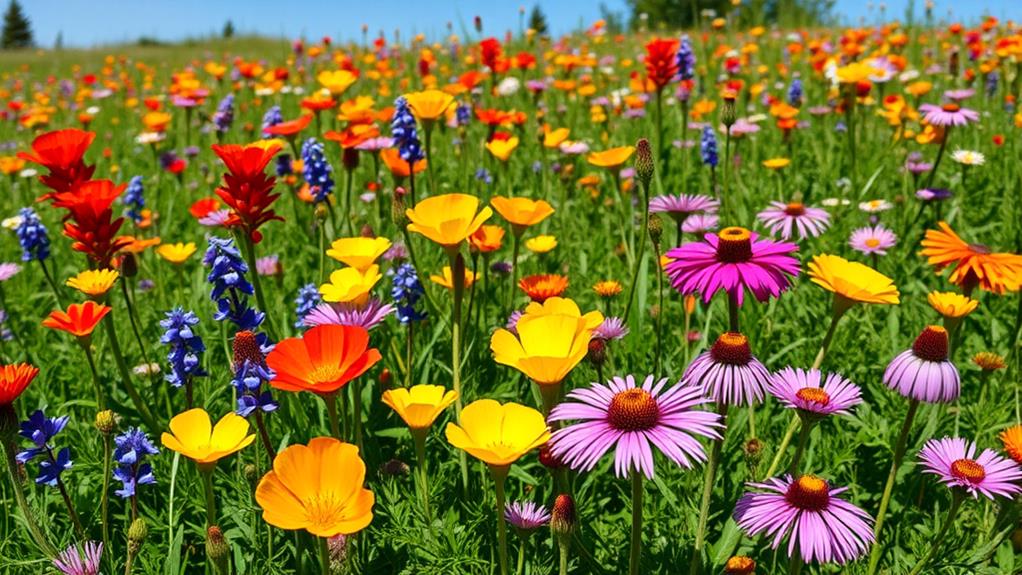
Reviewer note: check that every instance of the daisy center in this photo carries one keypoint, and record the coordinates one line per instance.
(731, 348)
(813, 395)
(872, 243)
(932, 344)
(633, 410)
(968, 470)
(323, 508)
(808, 493)
(740, 565)
(951, 107)
(795, 209)
(734, 245)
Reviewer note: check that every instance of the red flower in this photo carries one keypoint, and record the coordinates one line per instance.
(202, 208)
(661, 62)
(90, 219)
(14, 379)
(247, 189)
(177, 166)
(491, 52)
(288, 129)
(61, 152)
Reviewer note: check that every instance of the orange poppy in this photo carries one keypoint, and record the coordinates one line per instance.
(353, 135)
(398, 167)
(80, 319)
(14, 379)
(323, 360)
(486, 239)
(291, 128)
(541, 287)
(976, 265)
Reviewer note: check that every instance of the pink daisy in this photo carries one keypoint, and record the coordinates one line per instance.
(632, 420)
(824, 528)
(728, 373)
(799, 389)
(526, 516)
(954, 461)
(785, 218)
(732, 260)
(80, 559)
(8, 270)
(367, 316)
(682, 206)
(924, 372)
(873, 240)
(700, 224)
(948, 115)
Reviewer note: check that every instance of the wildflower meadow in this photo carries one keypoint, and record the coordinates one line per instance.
(738, 298)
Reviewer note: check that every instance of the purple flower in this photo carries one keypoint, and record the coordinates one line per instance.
(959, 94)
(8, 270)
(953, 460)
(633, 420)
(375, 144)
(366, 316)
(825, 529)
(681, 206)
(215, 218)
(132, 447)
(700, 224)
(80, 559)
(794, 217)
(873, 240)
(924, 372)
(933, 194)
(612, 328)
(525, 516)
(269, 265)
(799, 389)
(728, 373)
(948, 115)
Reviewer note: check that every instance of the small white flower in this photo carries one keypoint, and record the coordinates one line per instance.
(146, 369)
(150, 138)
(834, 202)
(968, 157)
(92, 110)
(509, 86)
(875, 206)
(12, 222)
(28, 173)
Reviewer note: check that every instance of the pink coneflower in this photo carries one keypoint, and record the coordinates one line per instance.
(367, 316)
(8, 270)
(612, 328)
(794, 217)
(682, 206)
(269, 265)
(700, 224)
(215, 218)
(799, 389)
(80, 559)
(728, 373)
(948, 115)
(525, 516)
(733, 260)
(375, 144)
(743, 127)
(959, 94)
(933, 194)
(924, 372)
(954, 461)
(873, 240)
(633, 420)
(808, 512)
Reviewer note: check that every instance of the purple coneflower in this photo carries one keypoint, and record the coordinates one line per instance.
(366, 316)
(682, 206)
(799, 389)
(8, 270)
(612, 328)
(728, 373)
(959, 94)
(794, 217)
(375, 144)
(269, 265)
(924, 372)
(953, 460)
(872, 240)
(933, 194)
(700, 224)
(525, 516)
(633, 420)
(948, 115)
(732, 260)
(807, 511)
(80, 559)
(215, 218)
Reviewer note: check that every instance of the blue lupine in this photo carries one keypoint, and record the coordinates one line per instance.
(248, 381)
(686, 59)
(131, 448)
(795, 92)
(224, 115)
(991, 83)
(402, 129)
(307, 300)
(708, 147)
(316, 170)
(483, 175)
(230, 288)
(134, 199)
(283, 165)
(406, 292)
(272, 117)
(32, 236)
(185, 346)
(40, 429)
(463, 114)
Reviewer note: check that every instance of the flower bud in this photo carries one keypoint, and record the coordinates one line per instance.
(129, 265)
(728, 112)
(385, 378)
(597, 351)
(655, 227)
(349, 157)
(137, 534)
(367, 231)
(644, 164)
(753, 451)
(548, 459)
(397, 209)
(106, 422)
(218, 550)
(251, 474)
(740, 565)
(321, 212)
(562, 519)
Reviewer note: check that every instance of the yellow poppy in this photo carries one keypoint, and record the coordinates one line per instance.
(359, 253)
(336, 81)
(498, 434)
(501, 149)
(419, 405)
(541, 244)
(447, 219)
(554, 138)
(193, 435)
(852, 282)
(176, 253)
(447, 279)
(776, 163)
(94, 283)
(611, 158)
(521, 212)
(350, 285)
(429, 105)
(856, 72)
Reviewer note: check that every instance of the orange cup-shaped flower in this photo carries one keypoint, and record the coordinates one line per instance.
(447, 219)
(419, 405)
(487, 239)
(521, 212)
(612, 158)
(79, 320)
(14, 379)
(319, 488)
(429, 105)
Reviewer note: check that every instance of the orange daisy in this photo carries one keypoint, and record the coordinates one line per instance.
(80, 319)
(975, 265)
(541, 287)
(14, 379)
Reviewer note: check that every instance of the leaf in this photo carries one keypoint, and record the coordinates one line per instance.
(728, 542)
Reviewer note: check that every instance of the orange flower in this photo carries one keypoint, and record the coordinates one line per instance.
(353, 135)
(486, 239)
(62, 153)
(541, 287)
(289, 129)
(611, 158)
(398, 167)
(14, 379)
(323, 360)
(975, 264)
(80, 319)
(521, 212)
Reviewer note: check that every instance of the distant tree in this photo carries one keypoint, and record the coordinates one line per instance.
(17, 32)
(674, 14)
(537, 20)
(615, 21)
(58, 44)
(228, 29)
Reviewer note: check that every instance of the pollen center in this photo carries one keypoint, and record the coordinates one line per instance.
(809, 493)
(325, 373)
(323, 509)
(968, 470)
(633, 410)
(872, 243)
(951, 107)
(813, 395)
(731, 348)
(932, 344)
(795, 209)
(734, 245)
(740, 565)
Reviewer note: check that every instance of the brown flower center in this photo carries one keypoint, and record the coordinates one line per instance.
(795, 209)
(633, 410)
(246, 347)
(932, 344)
(809, 493)
(734, 245)
(951, 107)
(813, 395)
(731, 348)
(968, 470)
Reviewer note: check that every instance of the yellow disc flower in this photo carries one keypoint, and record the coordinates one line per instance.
(429, 105)
(319, 488)
(501, 149)
(359, 253)
(350, 285)
(498, 434)
(193, 435)
(521, 212)
(856, 72)
(176, 253)
(447, 219)
(541, 244)
(951, 305)
(852, 281)
(776, 163)
(447, 279)
(94, 283)
(611, 158)
(607, 288)
(419, 405)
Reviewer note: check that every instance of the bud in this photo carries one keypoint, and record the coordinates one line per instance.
(349, 157)
(728, 113)
(321, 212)
(597, 351)
(386, 377)
(862, 88)
(394, 467)
(129, 265)
(644, 165)
(251, 474)
(218, 550)
(246, 348)
(690, 304)
(562, 519)
(740, 565)
(106, 422)
(655, 227)
(753, 451)
(367, 231)
(137, 534)
(548, 459)
(397, 209)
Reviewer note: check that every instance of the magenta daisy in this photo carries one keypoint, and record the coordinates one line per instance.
(632, 419)
(8, 270)
(799, 389)
(733, 260)
(526, 516)
(728, 373)
(80, 559)
(948, 115)
(806, 511)
(873, 240)
(953, 460)
(612, 328)
(794, 218)
(924, 372)
(681, 206)
(367, 316)
(700, 224)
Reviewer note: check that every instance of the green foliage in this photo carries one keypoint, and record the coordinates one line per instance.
(537, 20)
(17, 30)
(228, 31)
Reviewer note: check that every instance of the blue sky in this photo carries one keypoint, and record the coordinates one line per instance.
(91, 22)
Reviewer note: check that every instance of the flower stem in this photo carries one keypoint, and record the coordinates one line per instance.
(636, 549)
(514, 272)
(331, 410)
(732, 311)
(97, 386)
(53, 285)
(899, 453)
(940, 156)
(419, 438)
(79, 530)
(803, 441)
(104, 500)
(207, 482)
(499, 474)
(709, 475)
(249, 247)
(356, 412)
(122, 367)
(521, 556)
(19, 495)
(458, 277)
(952, 512)
(264, 436)
(324, 555)
(840, 308)
(783, 446)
